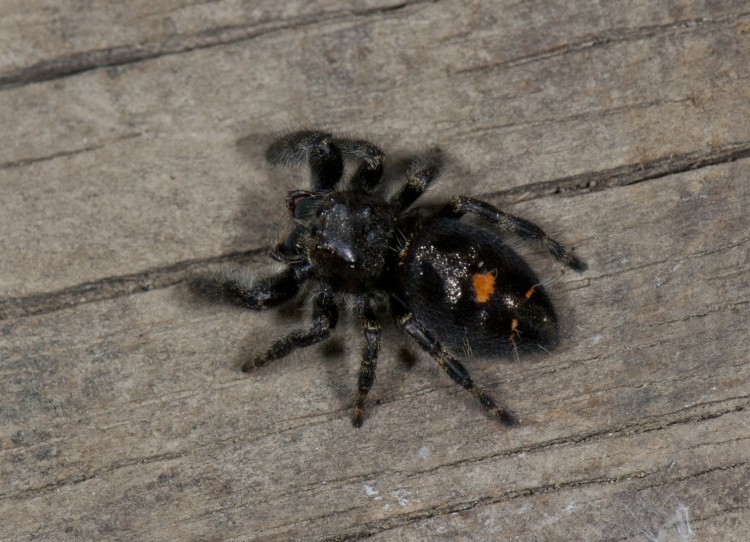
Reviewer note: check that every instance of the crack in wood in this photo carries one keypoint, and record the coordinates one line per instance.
(85, 477)
(617, 35)
(628, 174)
(21, 162)
(378, 527)
(118, 286)
(113, 57)
(707, 312)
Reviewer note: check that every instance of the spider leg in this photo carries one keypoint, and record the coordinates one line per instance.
(325, 316)
(316, 148)
(460, 205)
(288, 250)
(371, 330)
(452, 366)
(371, 159)
(421, 173)
(238, 288)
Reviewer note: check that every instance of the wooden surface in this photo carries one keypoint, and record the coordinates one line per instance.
(131, 156)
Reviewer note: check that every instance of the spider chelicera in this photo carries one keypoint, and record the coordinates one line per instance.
(450, 285)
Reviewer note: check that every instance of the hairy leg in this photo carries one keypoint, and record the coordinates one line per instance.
(371, 159)
(452, 366)
(316, 148)
(371, 330)
(421, 173)
(238, 288)
(461, 205)
(325, 317)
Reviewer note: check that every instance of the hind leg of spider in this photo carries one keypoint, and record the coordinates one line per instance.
(238, 288)
(452, 366)
(316, 148)
(420, 174)
(371, 160)
(371, 330)
(325, 317)
(461, 205)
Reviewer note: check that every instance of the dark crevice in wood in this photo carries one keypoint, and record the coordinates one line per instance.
(54, 486)
(615, 35)
(372, 529)
(687, 256)
(706, 312)
(634, 428)
(20, 162)
(727, 509)
(112, 287)
(114, 57)
(596, 181)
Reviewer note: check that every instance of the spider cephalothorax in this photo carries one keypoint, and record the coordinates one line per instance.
(347, 238)
(450, 285)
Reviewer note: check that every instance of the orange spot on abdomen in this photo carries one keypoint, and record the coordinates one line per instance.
(484, 285)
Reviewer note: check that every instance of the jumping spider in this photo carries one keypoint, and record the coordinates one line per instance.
(450, 285)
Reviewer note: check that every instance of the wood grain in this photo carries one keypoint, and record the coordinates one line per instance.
(132, 157)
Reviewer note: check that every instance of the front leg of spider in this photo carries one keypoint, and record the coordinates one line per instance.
(237, 288)
(371, 161)
(317, 149)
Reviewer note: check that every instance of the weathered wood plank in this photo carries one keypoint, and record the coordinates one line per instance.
(132, 155)
(129, 419)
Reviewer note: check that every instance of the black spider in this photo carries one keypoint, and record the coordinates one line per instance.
(450, 285)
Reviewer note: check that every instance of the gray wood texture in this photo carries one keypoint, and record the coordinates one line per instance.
(131, 156)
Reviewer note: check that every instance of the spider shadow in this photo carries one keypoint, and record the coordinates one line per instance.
(338, 359)
(266, 189)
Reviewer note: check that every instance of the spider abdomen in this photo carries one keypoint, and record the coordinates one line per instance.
(474, 292)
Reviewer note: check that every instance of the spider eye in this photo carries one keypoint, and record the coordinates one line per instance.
(302, 204)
